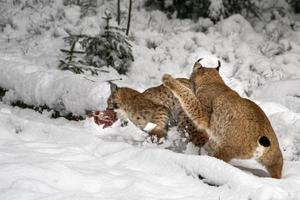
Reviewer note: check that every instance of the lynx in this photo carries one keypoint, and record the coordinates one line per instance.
(237, 127)
(130, 104)
(157, 106)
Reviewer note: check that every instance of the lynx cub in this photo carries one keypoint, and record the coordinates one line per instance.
(130, 104)
(236, 126)
(156, 105)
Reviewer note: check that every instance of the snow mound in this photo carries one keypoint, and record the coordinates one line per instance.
(285, 92)
(235, 24)
(209, 61)
(60, 90)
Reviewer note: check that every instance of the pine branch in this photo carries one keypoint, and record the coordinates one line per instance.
(68, 51)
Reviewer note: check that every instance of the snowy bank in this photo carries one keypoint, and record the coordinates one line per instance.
(59, 90)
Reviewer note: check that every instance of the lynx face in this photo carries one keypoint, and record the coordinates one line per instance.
(117, 100)
(113, 100)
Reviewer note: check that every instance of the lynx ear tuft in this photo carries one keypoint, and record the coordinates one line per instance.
(113, 86)
(219, 65)
(198, 61)
(264, 141)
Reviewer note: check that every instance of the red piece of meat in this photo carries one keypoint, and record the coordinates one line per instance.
(105, 117)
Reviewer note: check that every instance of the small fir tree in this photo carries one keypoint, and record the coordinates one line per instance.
(111, 48)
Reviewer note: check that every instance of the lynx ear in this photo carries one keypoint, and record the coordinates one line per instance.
(219, 65)
(113, 87)
(197, 64)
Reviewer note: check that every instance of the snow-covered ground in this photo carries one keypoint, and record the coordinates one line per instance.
(44, 158)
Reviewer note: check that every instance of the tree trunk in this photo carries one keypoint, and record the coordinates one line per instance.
(119, 13)
(129, 17)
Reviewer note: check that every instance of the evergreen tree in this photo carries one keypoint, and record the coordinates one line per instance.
(111, 48)
(295, 5)
(213, 9)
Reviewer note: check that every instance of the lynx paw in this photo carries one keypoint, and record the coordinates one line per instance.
(154, 140)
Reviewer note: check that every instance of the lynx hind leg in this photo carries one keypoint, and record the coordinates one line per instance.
(222, 153)
(186, 127)
(275, 170)
(160, 119)
(272, 157)
(189, 102)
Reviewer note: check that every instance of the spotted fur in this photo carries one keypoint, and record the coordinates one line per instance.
(156, 105)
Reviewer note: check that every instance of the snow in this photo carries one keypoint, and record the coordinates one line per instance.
(215, 8)
(45, 158)
(59, 159)
(287, 93)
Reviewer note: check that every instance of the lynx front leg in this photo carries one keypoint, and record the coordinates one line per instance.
(161, 120)
(159, 132)
(189, 102)
(185, 125)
